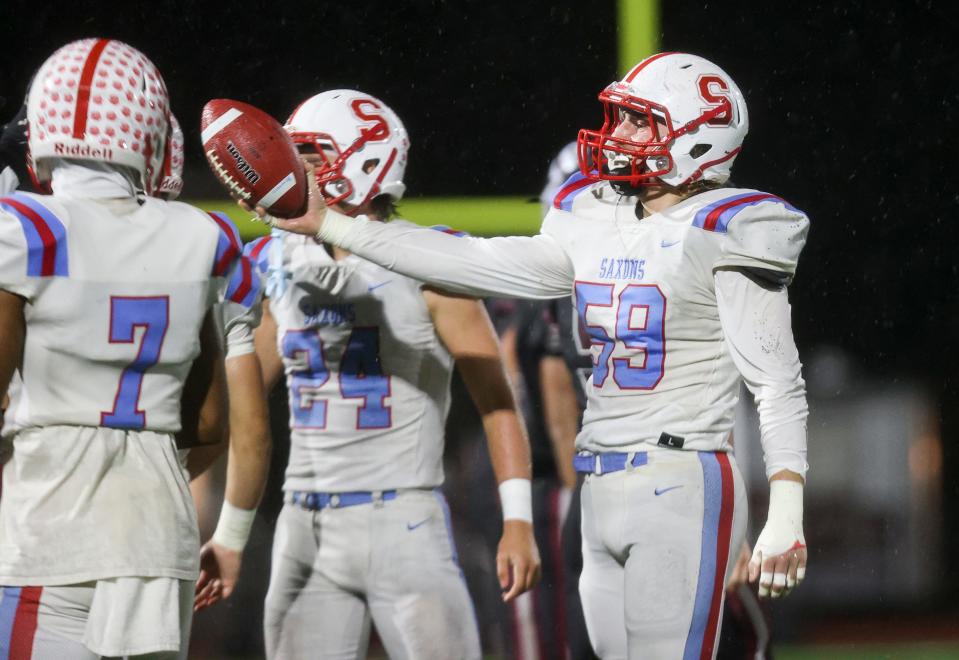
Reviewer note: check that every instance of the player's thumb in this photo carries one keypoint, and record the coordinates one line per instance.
(502, 570)
(755, 563)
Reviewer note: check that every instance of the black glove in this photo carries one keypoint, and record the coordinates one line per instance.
(13, 145)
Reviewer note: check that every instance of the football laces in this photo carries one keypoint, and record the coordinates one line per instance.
(227, 178)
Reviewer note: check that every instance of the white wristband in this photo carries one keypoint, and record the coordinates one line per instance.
(335, 227)
(516, 498)
(233, 528)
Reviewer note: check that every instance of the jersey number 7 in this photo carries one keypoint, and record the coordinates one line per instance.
(152, 313)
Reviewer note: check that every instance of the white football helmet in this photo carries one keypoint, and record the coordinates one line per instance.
(705, 120)
(171, 185)
(365, 143)
(99, 99)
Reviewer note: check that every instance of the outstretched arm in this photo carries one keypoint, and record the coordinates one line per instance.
(508, 266)
(464, 327)
(756, 323)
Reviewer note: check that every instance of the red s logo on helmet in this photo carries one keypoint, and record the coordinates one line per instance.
(714, 91)
(380, 130)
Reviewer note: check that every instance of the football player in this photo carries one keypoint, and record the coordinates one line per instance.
(368, 354)
(680, 283)
(105, 299)
(249, 440)
(553, 329)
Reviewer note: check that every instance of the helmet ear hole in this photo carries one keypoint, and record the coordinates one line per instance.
(364, 142)
(699, 149)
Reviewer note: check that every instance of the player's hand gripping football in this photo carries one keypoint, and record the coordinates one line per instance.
(517, 559)
(779, 558)
(219, 571)
(308, 224)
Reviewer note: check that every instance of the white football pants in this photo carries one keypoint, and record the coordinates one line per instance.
(393, 561)
(143, 618)
(658, 541)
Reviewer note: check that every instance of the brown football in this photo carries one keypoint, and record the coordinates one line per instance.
(253, 157)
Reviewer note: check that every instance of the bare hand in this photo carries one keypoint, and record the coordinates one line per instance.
(219, 571)
(308, 224)
(740, 573)
(517, 559)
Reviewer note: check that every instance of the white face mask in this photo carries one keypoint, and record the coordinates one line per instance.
(89, 179)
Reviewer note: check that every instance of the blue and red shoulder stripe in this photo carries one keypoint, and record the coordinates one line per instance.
(243, 285)
(717, 216)
(448, 230)
(45, 234)
(256, 251)
(228, 244)
(575, 184)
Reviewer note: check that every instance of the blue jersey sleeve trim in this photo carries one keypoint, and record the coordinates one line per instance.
(228, 244)
(575, 184)
(45, 234)
(716, 217)
(449, 230)
(244, 285)
(257, 251)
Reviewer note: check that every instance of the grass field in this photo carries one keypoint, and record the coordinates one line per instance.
(481, 216)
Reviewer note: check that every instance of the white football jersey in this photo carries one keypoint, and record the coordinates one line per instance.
(116, 292)
(645, 295)
(665, 362)
(367, 374)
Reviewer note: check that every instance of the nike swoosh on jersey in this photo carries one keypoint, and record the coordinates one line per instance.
(420, 523)
(667, 244)
(659, 491)
(373, 287)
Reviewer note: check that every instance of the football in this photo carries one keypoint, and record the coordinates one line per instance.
(253, 157)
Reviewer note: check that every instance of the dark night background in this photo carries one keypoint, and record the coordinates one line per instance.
(852, 104)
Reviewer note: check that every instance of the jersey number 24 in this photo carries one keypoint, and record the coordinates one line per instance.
(360, 377)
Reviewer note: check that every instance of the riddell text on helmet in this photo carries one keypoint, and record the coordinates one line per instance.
(83, 150)
(242, 166)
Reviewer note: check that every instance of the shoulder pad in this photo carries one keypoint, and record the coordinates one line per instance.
(228, 245)
(574, 185)
(762, 233)
(243, 283)
(257, 251)
(449, 230)
(44, 233)
(717, 215)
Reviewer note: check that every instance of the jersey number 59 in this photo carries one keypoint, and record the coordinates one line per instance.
(636, 352)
